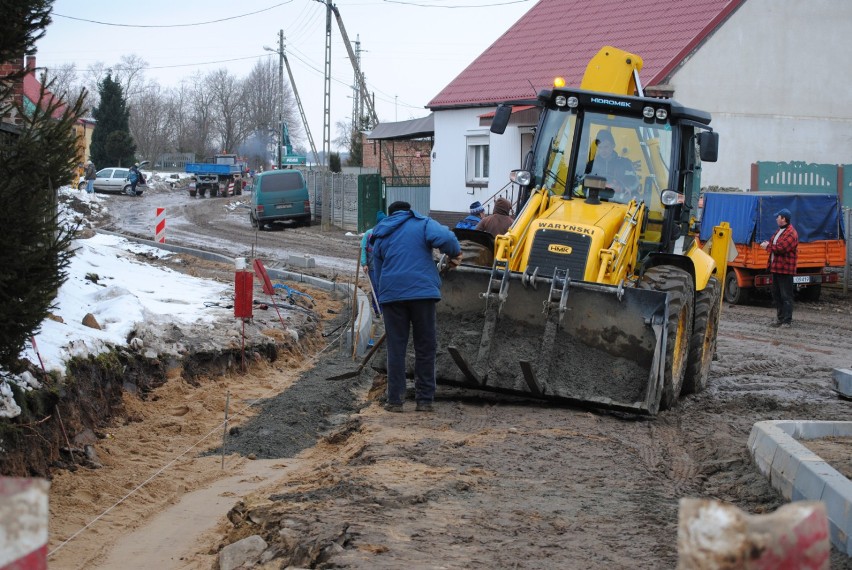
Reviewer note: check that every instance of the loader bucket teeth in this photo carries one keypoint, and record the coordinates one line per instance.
(578, 341)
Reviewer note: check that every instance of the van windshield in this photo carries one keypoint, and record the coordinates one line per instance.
(282, 182)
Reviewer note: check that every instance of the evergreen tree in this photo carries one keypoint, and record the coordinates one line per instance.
(33, 165)
(334, 162)
(112, 144)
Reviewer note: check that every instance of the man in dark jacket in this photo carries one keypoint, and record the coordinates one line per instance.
(498, 222)
(783, 255)
(134, 177)
(409, 287)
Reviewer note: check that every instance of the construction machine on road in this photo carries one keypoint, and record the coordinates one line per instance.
(597, 293)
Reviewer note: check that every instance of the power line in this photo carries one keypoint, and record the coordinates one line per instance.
(492, 5)
(171, 25)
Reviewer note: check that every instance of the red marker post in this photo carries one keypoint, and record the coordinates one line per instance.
(160, 226)
(243, 299)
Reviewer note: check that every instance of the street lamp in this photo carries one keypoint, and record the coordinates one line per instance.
(280, 52)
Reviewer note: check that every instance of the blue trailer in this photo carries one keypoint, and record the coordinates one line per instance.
(216, 176)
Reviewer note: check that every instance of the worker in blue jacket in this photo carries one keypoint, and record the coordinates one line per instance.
(409, 287)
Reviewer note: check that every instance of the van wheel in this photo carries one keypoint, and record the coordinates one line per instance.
(306, 222)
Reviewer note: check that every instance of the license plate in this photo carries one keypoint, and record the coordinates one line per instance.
(284, 206)
(801, 279)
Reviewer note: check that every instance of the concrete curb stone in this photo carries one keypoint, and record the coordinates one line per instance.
(799, 474)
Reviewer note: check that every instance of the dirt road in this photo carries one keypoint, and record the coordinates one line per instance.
(481, 483)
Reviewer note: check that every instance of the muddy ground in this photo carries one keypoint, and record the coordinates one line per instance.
(329, 479)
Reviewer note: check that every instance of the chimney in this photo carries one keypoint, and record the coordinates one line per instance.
(30, 60)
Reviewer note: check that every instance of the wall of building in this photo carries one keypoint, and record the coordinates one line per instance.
(449, 157)
(411, 157)
(775, 79)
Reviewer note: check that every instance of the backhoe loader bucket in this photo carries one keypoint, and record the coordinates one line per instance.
(562, 340)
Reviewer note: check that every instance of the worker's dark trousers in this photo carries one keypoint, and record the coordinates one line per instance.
(782, 296)
(399, 318)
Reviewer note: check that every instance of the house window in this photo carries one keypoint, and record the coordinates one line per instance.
(477, 161)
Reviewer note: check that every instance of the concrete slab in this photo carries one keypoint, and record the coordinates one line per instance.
(799, 474)
(841, 378)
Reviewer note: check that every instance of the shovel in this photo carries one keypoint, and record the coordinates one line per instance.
(364, 362)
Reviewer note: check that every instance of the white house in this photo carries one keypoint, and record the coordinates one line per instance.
(773, 74)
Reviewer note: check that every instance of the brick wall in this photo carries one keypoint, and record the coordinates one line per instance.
(6, 69)
(412, 158)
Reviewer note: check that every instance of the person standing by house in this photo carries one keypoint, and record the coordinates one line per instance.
(90, 177)
(783, 255)
(498, 222)
(409, 288)
(367, 261)
(470, 221)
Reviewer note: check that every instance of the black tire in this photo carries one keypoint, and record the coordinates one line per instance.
(81, 186)
(193, 192)
(214, 191)
(810, 293)
(306, 222)
(702, 345)
(735, 294)
(202, 191)
(677, 282)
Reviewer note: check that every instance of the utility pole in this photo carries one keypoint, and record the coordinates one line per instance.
(280, 97)
(326, 113)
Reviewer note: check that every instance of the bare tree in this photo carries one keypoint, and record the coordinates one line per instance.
(150, 126)
(130, 74)
(229, 119)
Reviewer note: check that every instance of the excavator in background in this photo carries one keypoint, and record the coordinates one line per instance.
(596, 294)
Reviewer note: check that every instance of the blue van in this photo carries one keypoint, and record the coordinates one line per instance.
(280, 196)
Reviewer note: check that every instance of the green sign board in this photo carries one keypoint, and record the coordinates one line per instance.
(293, 160)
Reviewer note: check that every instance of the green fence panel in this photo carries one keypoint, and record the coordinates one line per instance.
(370, 200)
(847, 187)
(797, 177)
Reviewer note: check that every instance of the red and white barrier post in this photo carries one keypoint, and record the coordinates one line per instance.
(160, 226)
(23, 523)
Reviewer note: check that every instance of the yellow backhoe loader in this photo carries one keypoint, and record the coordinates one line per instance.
(596, 294)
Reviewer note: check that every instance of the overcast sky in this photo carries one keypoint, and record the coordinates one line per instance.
(411, 49)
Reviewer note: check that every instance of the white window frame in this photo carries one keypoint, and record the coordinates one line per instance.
(478, 160)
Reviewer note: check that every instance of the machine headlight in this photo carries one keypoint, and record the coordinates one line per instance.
(670, 198)
(522, 177)
(648, 112)
(560, 101)
(662, 114)
(573, 102)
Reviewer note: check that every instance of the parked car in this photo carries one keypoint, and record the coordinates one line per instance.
(114, 180)
(280, 196)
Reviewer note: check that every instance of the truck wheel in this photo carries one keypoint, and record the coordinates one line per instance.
(677, 282)
(202, 191)
(810, 293)
(702, 345)
(214, 191)
(193, 192)
(735, 294)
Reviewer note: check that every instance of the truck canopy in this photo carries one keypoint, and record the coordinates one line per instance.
(816, 217)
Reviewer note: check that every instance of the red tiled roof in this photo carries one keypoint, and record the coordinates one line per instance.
(32, 90)
(559, 37)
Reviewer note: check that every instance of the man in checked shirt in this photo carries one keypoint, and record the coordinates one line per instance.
(782, 250)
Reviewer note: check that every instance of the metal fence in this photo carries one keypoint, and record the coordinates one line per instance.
(334, 198)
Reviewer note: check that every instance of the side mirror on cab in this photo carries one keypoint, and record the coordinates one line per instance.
(708, 146)
(501, 118)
